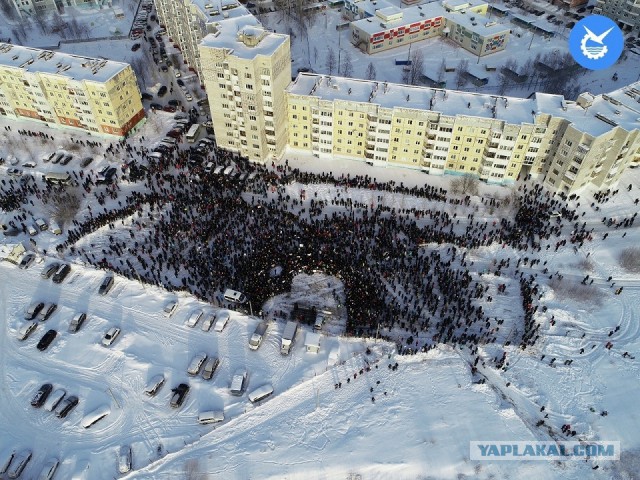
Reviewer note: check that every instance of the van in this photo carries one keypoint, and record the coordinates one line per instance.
(95, 416)
(58, 178)
(42, 225)
(210, 416)
(155, 156)
(234, 296)
(238, 382)
(260, 393)
(317, 326)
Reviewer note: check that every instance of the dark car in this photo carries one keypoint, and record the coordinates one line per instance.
(180, 82)
(571, 24)
(175, 133)
(175, 103)
(164, 68)
(107, 175)
(41, 395)
(61, 274)
(155, 106)
(66, 406)
(33, 310)
(147, 96)
(169, 108)
(136, 46)
(77, 321)
(86, 161)
(179, 395)
(50, 270)
(66, 159)
(162, 91)
(47, 311)
(46, 340)
(106, 285)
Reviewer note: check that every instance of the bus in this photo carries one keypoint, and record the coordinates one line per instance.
(193, 132)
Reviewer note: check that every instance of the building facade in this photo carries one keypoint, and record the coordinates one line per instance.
(497, 139)
(625, 12)
(246, 71)
(91, 94)
(189, 21)
(461, 21)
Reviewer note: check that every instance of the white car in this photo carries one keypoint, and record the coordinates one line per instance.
(26, 330)
(154, 385)
(110, 336)
(178, 74)
(196, 363)
(208, 321)
(170, 308)
(221, 320)
(188, 97)
(33, 231)
(193, 320)
(54, 399)
(124, 459)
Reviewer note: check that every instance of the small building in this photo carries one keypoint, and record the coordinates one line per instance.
(312, 342)
(12, 253)
(118, 12)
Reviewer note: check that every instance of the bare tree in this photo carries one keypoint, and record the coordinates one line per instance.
(41, 19)
(413, 74)
(465, 185)
(630, 259)
(461, 73)
(331, 60)
(503, 84)
(371, 71)
(59, 26)
(64, 205)
(7, 8)
(347, 66)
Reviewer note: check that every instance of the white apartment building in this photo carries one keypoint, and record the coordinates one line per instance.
(246, 70)
(189, 21)
(625, 12)
(567, 145)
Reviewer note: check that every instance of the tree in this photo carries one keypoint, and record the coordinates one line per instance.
(442, 70)
(8, 10)
(414, 73)
(461, 73)
(347, 66)
(331, 60)
(503, 84)
(371, 71)
(64, 206)
(40, 18)
(465, 185)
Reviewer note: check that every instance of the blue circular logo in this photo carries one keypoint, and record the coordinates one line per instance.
(596, 42)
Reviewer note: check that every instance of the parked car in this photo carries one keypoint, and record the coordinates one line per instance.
(170, 308)
(33, 310)
(19, 463)
(50, 270)
(61, 273)
(169, 108)
(194, 318)
(29, 164)
(54, 399)
(66, 159)
(86, 161)
(135, 47)
(188, 97)
(4, 466)
(46, 340)
(77, 321)
(14, 172)
(208, 321)
(180, 82)
(174, 103)
(110, 336)
(196, 363)
(124, 459)
(106, 175)
(66, 406)
(27, 260)
(33, 231)
(41, 395)
(106, 285)
(210, 367)
(155, 106)
(221, 320)
(26, 330)
(239, 382)
(154, 385)
(179, 395)
(162, 91)
(41, 224)
(49, 469)
(175, 132)
(47, 311)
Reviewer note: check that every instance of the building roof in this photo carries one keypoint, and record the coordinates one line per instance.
(370, 6)
(312, 338)
(239, 35)
(619, 108)
(219, 10)
(420, 13)
(71, 66)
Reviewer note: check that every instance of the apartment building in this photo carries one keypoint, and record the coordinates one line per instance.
(462, 21)
(246, 70)
(70, 91)
(565, 144)
(189, 21)
(27, 8)
(625, 12)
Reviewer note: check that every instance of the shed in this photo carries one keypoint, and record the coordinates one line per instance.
(312, 342)
(12, 253)
(118, 12)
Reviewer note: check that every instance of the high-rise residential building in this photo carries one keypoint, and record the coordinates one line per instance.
(63, 90)
(246, 70)
(189, 21)
(625, 12)
(495, 138)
